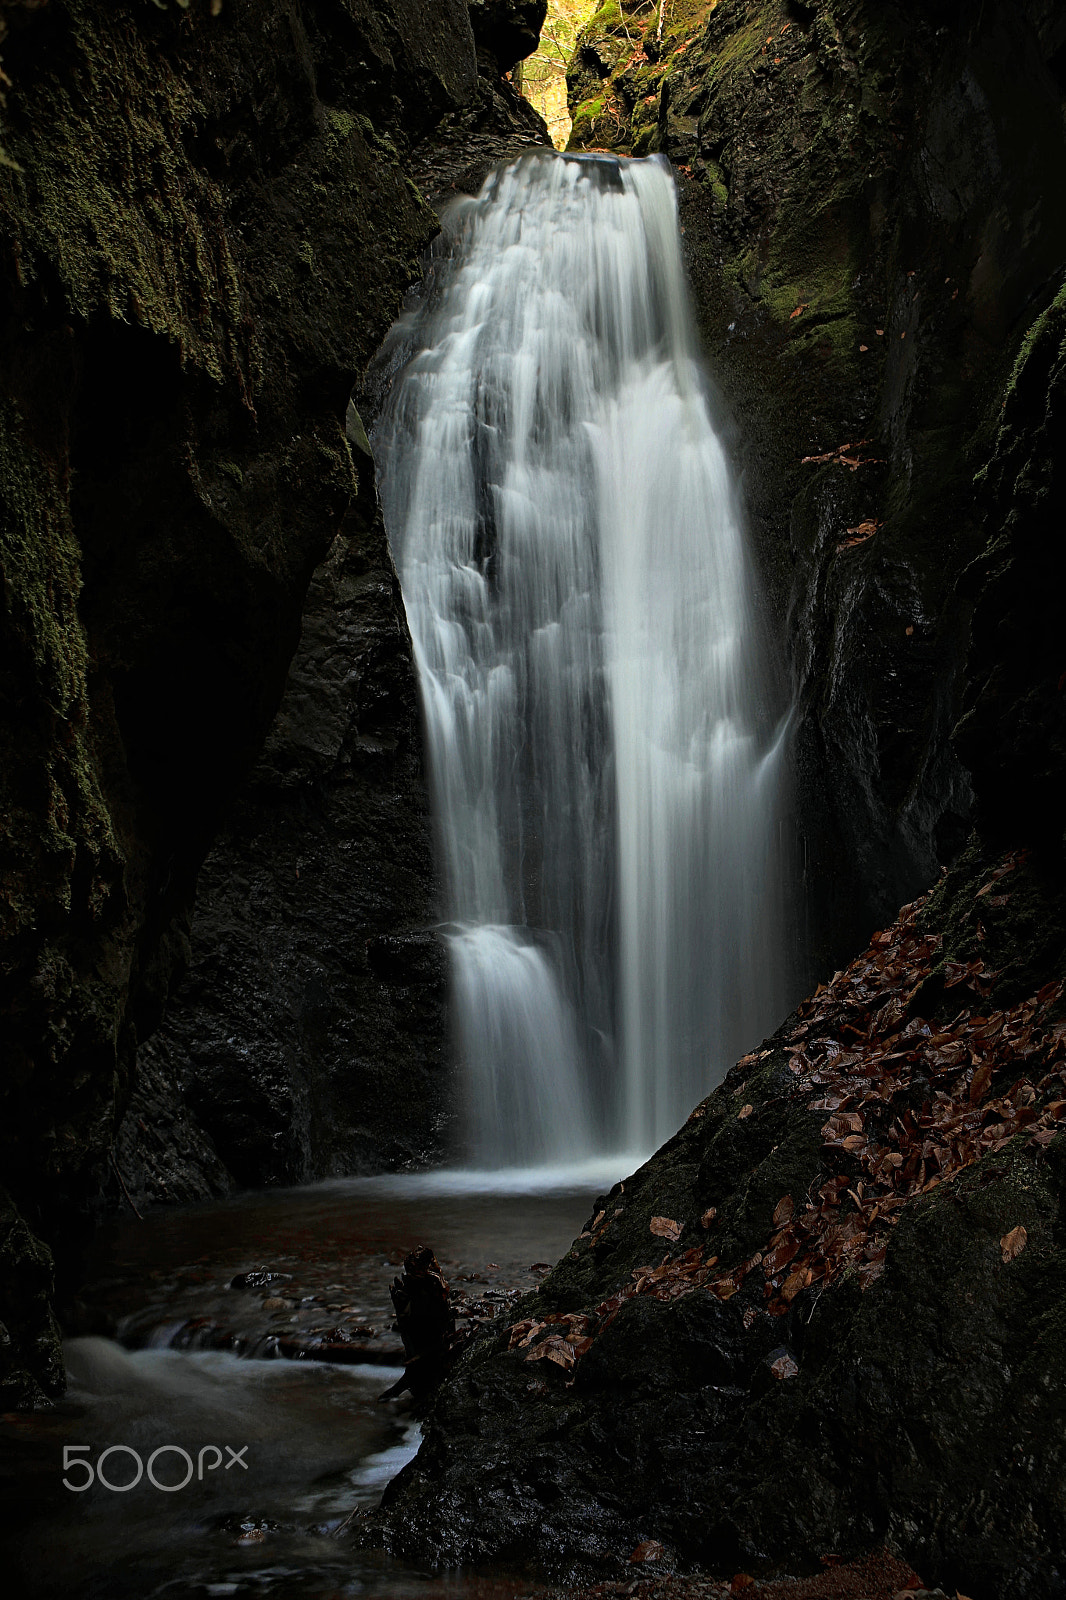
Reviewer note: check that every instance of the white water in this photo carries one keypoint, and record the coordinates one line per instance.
(601, 736)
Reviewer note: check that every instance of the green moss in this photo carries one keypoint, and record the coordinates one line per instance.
(40, 575)
(119, 120)
(343, 123)
(606, 19)
(738, 52)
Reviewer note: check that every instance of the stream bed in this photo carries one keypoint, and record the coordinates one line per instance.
(223, 1414)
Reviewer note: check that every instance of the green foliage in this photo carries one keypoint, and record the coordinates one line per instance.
(544, 72)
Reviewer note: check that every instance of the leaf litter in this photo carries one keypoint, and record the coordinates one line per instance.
(859, 1056)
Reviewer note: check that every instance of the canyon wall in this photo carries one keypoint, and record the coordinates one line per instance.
(207, 226)
(871, 225)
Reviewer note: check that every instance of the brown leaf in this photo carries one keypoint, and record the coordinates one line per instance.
(1013, 1243)
(792, 1286)
(780, 1256)
(798, 310)
(553, 1348)
(648, 1550)
(741, 1580)
(664, 1228)
(745, 1111)
(784, 1367)
(979, 1083)
(708, 1216)
(724, 1288)
(784, 1209)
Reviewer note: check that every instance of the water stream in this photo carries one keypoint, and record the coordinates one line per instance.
(180, 1353)
(603, 743)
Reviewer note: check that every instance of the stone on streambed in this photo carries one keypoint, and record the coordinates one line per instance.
(259, 1278)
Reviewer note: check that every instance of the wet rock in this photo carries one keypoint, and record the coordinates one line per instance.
(259, 1278)
(31, 1362)
(310, 1038)
(425, 1319)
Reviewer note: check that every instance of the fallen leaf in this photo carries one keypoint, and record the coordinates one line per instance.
(648, 1550)
(665, 1228)
(798, 309)
(790, 1289)
(745, 1111)
(741, 1580)
(783, 1211)
(708, 1216)
(784, 1367)
(553, 1348)
(979, 1083)
(1013, 1243)
(864, 347)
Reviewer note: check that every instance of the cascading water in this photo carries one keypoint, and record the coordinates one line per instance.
(603, 757)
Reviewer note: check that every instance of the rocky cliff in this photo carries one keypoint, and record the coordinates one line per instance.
(208, 225)
(872, 225)
(830, 1311)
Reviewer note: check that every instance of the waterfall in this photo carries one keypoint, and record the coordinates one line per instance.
(599, 712)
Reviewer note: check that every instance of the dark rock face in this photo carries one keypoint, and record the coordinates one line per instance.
(308, 1037)
(30, 1363)
(207, 233)
(747, 1420)
(1013, 734)
(509, 28)
(870, 228)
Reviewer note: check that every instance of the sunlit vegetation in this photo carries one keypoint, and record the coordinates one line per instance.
(544, 74)
(625, 51)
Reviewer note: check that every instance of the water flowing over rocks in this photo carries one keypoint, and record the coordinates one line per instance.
(605, 735)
